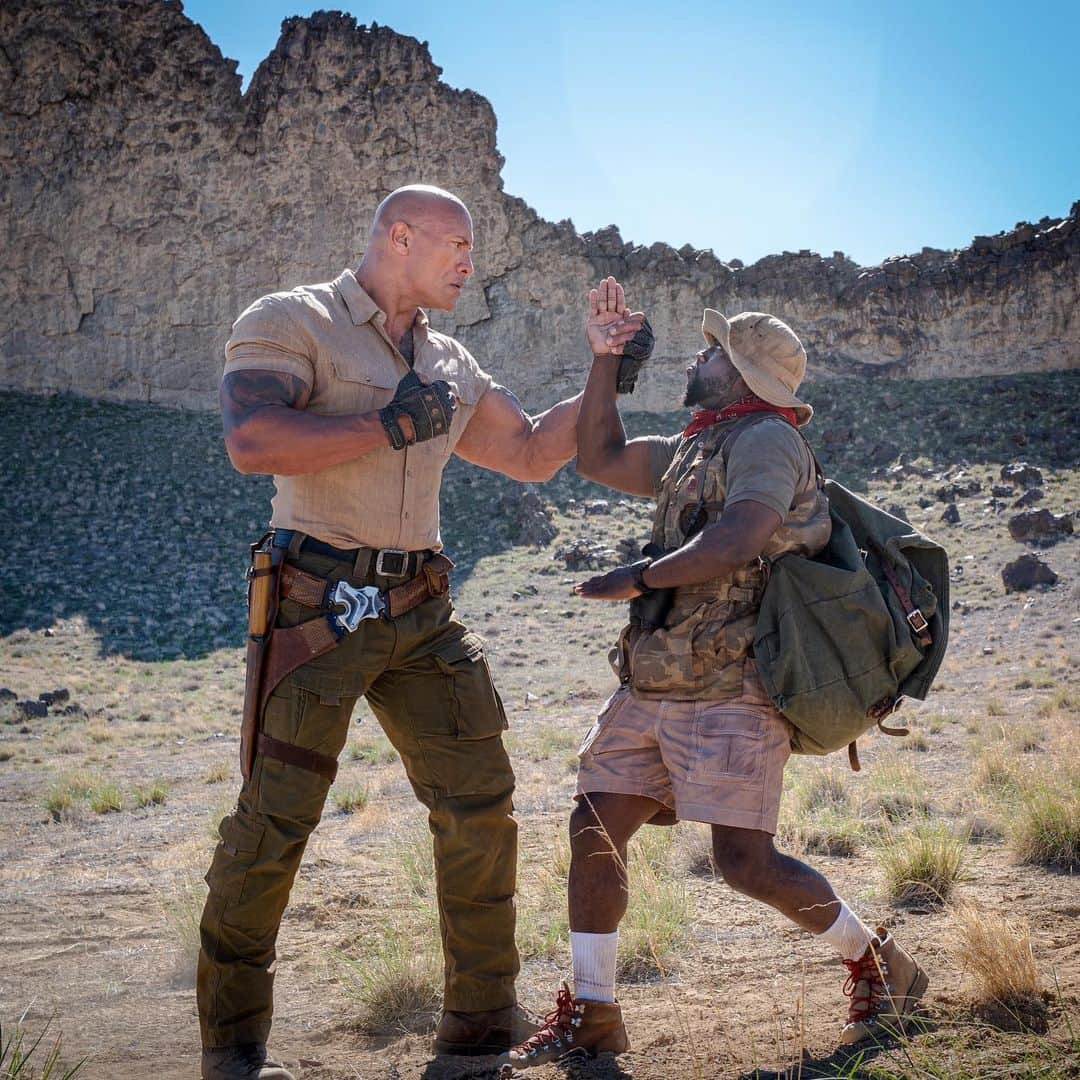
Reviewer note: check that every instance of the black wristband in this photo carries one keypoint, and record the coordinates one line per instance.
(639, 569)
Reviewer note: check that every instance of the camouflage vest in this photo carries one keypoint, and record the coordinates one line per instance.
(700, 651)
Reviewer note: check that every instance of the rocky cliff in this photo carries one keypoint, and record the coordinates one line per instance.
(144, 202)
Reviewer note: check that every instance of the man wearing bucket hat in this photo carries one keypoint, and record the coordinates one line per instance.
(691, 733)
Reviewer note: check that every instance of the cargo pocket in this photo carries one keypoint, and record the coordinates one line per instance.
(475, 709)
(604, 717)
(234, 856)
(729, 744)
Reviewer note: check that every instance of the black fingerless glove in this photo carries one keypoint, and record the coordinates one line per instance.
(430, 407)
(634, 354)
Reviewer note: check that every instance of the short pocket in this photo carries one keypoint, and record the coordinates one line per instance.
(604, 717)
(729, 743)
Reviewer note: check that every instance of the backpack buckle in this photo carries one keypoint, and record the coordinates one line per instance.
(919, 624)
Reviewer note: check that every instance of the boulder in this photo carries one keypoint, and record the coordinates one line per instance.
(530, 518)
(1029, 498)
(1040, 527)
(951, 516)
(582, 554)
(1022, 473)
(1025, 573)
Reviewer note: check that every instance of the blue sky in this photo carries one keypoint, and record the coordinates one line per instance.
(874, 129)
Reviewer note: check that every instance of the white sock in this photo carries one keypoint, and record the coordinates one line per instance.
(848, 935)
(594, 965)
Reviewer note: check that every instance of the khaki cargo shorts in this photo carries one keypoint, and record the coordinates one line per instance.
(720, 762)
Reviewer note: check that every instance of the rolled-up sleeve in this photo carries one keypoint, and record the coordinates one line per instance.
(267, 338)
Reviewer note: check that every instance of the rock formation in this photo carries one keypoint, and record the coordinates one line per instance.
(145, 202)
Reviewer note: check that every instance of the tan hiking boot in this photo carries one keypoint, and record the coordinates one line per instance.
(585, 1028)
(248, 1061)
(884, 985)
(479, 1033)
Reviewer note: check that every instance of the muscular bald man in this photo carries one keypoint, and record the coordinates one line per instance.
(344, 393)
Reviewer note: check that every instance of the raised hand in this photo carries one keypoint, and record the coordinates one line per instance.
(610, 323)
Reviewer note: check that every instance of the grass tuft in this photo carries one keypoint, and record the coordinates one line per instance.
(106, 799)
(181, 909)
(996, 952)
(396, 986)
(1046, 827)
(154, 794)
(351, 798)
(16, 1053)
(924, 865)
(218, 774)
(659, 913)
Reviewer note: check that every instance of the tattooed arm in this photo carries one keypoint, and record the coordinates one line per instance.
(268, 431)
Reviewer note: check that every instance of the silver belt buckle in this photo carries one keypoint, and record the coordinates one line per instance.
(380, 566)
(359, 604)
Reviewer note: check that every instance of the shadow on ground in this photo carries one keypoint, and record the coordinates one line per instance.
(132, 517)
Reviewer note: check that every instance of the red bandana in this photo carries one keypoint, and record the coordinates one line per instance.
(704, 418)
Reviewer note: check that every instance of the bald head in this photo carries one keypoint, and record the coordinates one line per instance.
(419, 254)
(415, 204)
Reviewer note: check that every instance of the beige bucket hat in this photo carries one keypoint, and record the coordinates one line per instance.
(767, 354)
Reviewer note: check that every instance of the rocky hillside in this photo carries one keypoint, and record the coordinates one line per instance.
(145, 201)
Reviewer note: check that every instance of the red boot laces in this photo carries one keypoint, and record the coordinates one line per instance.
(557, 1026)
(869, 969)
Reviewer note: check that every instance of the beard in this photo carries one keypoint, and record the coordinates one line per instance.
(710, 393)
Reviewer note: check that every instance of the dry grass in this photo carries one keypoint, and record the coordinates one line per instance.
(351, 798)
(659, 912)
(996, 952)
(396, 986)
(218, 774)
(181, 909)
(154, 794)
(1045, 828)
(923, 865)
(414, 852)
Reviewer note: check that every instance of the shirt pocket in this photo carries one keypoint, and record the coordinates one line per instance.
(360, 383)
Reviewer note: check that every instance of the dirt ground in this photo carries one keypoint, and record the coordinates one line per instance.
(97, 906)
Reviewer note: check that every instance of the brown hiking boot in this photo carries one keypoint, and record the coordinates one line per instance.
(884, 985)
(584, 1028)
(248, 1061)
(479, 1033)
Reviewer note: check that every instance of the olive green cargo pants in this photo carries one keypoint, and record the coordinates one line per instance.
(426, 680)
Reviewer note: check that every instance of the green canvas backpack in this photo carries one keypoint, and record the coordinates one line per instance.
(843, 636)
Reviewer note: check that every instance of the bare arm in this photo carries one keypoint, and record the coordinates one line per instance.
(604, 454)
(736, 539)
(268, 431)
(501, 436)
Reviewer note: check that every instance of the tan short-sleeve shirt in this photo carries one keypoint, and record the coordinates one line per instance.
(333, 337)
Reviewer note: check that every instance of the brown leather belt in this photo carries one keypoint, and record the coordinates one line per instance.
(293, 646)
